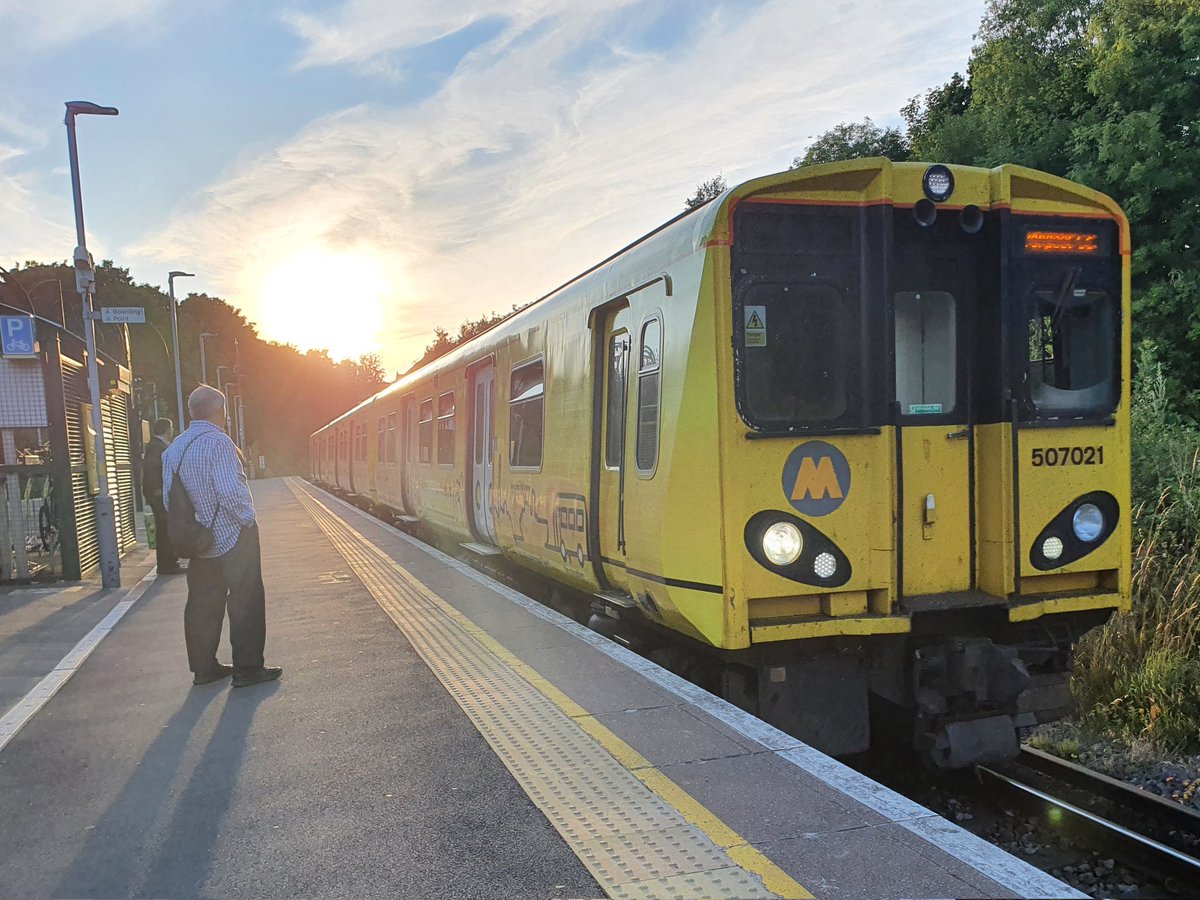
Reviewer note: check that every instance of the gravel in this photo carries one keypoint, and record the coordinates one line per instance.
(1173, 776)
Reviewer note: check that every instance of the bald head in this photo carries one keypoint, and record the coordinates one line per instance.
(207, 403)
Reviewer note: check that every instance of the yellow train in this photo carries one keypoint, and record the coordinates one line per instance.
(856, 433)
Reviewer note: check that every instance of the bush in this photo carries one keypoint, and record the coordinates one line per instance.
(1165, 461)
(1138, 677)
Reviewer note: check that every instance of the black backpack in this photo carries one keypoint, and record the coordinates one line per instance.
(190, 537)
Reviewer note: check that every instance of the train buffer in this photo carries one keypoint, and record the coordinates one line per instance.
(435, 734)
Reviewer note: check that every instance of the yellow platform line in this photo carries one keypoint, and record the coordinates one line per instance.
(737, 848)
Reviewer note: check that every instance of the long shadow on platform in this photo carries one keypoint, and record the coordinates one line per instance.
(124, 855)
(185, 854)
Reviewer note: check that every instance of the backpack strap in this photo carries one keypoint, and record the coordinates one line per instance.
(177, 477)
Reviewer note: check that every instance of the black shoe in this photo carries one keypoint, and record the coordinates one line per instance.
(257, 676)
(220, 672)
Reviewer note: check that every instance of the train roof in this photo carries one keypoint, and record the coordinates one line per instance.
(692, 229)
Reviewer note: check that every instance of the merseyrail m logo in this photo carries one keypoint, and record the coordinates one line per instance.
(816, 478)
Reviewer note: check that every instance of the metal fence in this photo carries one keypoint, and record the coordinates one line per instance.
(30, 540)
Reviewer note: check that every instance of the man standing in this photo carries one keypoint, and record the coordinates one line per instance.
(229, 575)
(152, 488)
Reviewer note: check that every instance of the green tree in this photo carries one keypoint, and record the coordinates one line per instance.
(854, 140)
(1141, 144)
(707, 190)
(935, 121)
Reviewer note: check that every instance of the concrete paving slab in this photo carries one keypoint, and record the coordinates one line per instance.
(865, 862)
(766, 800)
(668, 735)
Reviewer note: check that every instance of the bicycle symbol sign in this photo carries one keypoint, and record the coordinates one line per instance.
(17, 337)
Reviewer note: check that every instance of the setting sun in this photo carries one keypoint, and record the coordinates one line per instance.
(324, 300)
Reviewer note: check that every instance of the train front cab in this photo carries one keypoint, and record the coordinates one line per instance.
(925, 436)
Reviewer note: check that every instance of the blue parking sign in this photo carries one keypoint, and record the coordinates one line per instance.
(17, 336)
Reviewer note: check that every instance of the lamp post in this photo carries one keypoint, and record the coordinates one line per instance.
(10, 278)
(203, 362)
(222, 386)
(175, 341)
(85, 282)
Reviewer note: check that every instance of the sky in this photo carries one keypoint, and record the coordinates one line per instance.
(352, 175)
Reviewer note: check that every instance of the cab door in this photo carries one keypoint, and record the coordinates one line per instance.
(483, 446)
(933, 314)
(612, 459)
(408, 454)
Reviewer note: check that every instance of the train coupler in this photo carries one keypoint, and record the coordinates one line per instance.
(967, 692)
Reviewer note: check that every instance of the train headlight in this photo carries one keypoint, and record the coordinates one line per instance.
(938, 183)
(824, 565)
(782, 543)
(1088, 522)
(1052, 548)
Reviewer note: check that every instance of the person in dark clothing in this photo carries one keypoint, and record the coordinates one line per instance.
(152, 489)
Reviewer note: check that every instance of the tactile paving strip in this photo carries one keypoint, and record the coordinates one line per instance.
(634, 843)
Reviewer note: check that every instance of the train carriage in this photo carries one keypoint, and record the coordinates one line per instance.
(860, 431)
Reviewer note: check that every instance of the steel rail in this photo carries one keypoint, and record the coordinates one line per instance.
(1120, 792)
(1175, 868)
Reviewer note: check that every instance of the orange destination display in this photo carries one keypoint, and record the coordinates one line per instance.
(1062, 242)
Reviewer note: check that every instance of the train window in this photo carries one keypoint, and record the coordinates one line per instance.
(1072, 351)
(390, 444)
(649, 370)
(445, 429)
(796, 358)
(425, 431)
(527, 390)
(926, 366)
(381, 440)
(618, 393)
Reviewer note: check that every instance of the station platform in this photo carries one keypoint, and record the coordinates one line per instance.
(435, 733)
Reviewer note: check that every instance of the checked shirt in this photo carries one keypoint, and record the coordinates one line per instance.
(215, 479)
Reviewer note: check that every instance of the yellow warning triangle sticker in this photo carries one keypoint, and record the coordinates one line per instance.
(755, 321)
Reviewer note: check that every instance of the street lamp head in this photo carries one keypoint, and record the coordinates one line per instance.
(180, 275)
(84, 108)
(208, 334)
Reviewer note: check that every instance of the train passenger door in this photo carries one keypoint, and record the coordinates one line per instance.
(483, 445)
(408, 454)
(936, 478)
(612, 396)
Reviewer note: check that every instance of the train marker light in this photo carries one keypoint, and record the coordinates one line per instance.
(782, 543)
(824, 565)
(1052, 548)
(1088, 522)
(938, 183)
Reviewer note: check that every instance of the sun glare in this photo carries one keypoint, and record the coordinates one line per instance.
(325, 300)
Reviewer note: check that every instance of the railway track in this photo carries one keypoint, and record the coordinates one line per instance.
(1144, 832)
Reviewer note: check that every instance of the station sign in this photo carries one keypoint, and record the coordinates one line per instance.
(17, 337)
(123, 315)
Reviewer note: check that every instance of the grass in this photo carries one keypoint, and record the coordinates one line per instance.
(1137, 679)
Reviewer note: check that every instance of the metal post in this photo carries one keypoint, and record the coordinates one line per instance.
(203, 360)
(85, 280)
(241, 423)
(175, 342)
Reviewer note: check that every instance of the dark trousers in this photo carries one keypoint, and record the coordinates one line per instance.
(164, 550)
(233, 581)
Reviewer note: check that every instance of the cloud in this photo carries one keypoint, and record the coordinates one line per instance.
(525, 167)
(28, 224)
(361, 31)
(56, 22)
